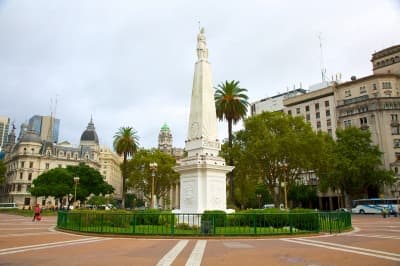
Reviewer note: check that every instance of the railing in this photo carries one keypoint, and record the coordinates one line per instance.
(235, 224)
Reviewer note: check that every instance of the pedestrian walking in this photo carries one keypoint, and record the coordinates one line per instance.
(36, 216)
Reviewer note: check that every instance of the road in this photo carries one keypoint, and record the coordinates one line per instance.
(375, 241)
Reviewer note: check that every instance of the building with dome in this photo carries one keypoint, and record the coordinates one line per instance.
(30, 156)
(165, 144)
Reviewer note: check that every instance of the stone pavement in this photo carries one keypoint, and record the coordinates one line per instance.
(375, 241)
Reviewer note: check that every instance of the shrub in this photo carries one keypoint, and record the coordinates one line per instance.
(216, 216)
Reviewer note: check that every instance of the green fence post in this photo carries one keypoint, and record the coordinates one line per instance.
(330, 222)
(134, 223)
(80, 221)
(255, 223)
(172, 223)
(290, 222)
(101, 223)
(213, 225)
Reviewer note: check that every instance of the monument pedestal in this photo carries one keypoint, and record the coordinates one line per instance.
(203, 183)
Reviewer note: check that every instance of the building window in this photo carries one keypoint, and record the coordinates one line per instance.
(328, 113)
(374, 87)
(386, 85)
(289, 112)
(318, 124)
(22, 164)
(24, 150)
(396, 143)
(59, 166)
(347, 123)
(297, 110)
(395, 130)
(330, 131)
(308, 117)
(317, 115)
(33, 150)
(326, 103)
(47, 165)
(363, 123)
(21, 175)
(30, 176)
(30, 164)
(307, 108)
(397, 154)
(347, 93)
(363, 90)
(19, 187)
(394, 117)
(328, 122)
(316, 106)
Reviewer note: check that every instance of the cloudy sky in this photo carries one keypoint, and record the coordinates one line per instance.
(131, 63)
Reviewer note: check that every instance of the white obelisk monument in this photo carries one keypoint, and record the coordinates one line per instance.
(202, 172)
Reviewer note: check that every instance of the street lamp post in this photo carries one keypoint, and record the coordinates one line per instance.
(285, 183)
(259, 200)
(153, 168)
(76, 180)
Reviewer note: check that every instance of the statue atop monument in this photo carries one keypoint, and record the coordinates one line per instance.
(202, 51)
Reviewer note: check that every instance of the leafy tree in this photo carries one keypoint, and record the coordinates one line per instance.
(141, 176)
(356, 166)
(97, 200)
(126, 144)
(303, 196)
(90, 182)
(275, 148)
(59, 182)
(2, 172)
(231, 104)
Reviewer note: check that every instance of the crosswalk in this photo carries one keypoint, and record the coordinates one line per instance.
(194, 258)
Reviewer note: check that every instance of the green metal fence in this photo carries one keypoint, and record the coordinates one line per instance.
(234, 224)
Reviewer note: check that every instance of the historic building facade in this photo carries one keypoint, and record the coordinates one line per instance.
(370, 103)
(30, 156)
(4, 125)
(165, 144)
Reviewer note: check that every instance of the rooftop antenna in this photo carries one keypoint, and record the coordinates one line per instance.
(323, 69)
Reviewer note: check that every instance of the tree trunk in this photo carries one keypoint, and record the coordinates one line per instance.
(123, 181)
(230, 162)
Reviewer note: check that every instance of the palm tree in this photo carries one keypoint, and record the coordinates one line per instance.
(231, 104)
(125, 143)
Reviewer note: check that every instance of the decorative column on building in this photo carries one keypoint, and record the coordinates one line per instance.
(203, 172)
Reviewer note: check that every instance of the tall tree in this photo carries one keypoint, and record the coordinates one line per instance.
(2, 172)
(59, 182)
(276, 148)
(126, 142)
(231, 104)
(356, 166)
(141, 175)
(90, 182)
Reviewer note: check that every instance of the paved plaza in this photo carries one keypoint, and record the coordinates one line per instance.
(375, 241)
